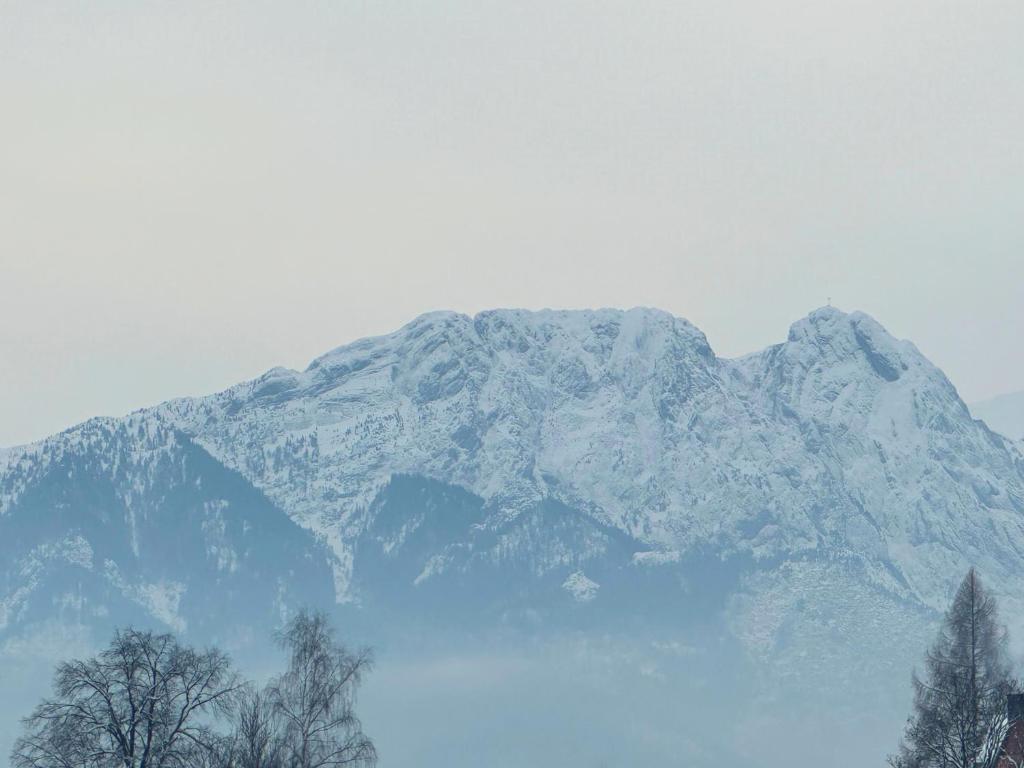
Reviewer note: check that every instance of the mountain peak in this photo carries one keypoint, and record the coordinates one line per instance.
(828, 336)
(823, 321)
(562, 435)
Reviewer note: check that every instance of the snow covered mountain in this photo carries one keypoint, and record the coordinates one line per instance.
(556, 440)
(840, 441)
(554, 468)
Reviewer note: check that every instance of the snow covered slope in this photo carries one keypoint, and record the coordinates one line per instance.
(127, 520)
(606, 447)
(841, 440)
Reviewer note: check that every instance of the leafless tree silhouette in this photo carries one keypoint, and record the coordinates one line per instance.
(144, 702)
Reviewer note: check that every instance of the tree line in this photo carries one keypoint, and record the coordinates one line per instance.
(147, 701)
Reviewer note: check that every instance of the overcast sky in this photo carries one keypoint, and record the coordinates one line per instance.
(191, 193)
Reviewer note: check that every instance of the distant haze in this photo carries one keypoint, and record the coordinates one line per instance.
(192, 193)
(1004, 414)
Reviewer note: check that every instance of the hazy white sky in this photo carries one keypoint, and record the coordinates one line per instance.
(191, 193)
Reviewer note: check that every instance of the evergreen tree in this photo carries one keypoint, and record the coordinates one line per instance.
(962, 696)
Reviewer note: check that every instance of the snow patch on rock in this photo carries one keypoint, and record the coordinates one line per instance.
(162, 599)
(580, 587)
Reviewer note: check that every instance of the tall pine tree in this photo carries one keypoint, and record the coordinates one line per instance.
(962, 696)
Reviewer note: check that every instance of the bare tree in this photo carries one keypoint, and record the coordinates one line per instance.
(961, 698)
(144, 702)
(257, 741)
(315, 698)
